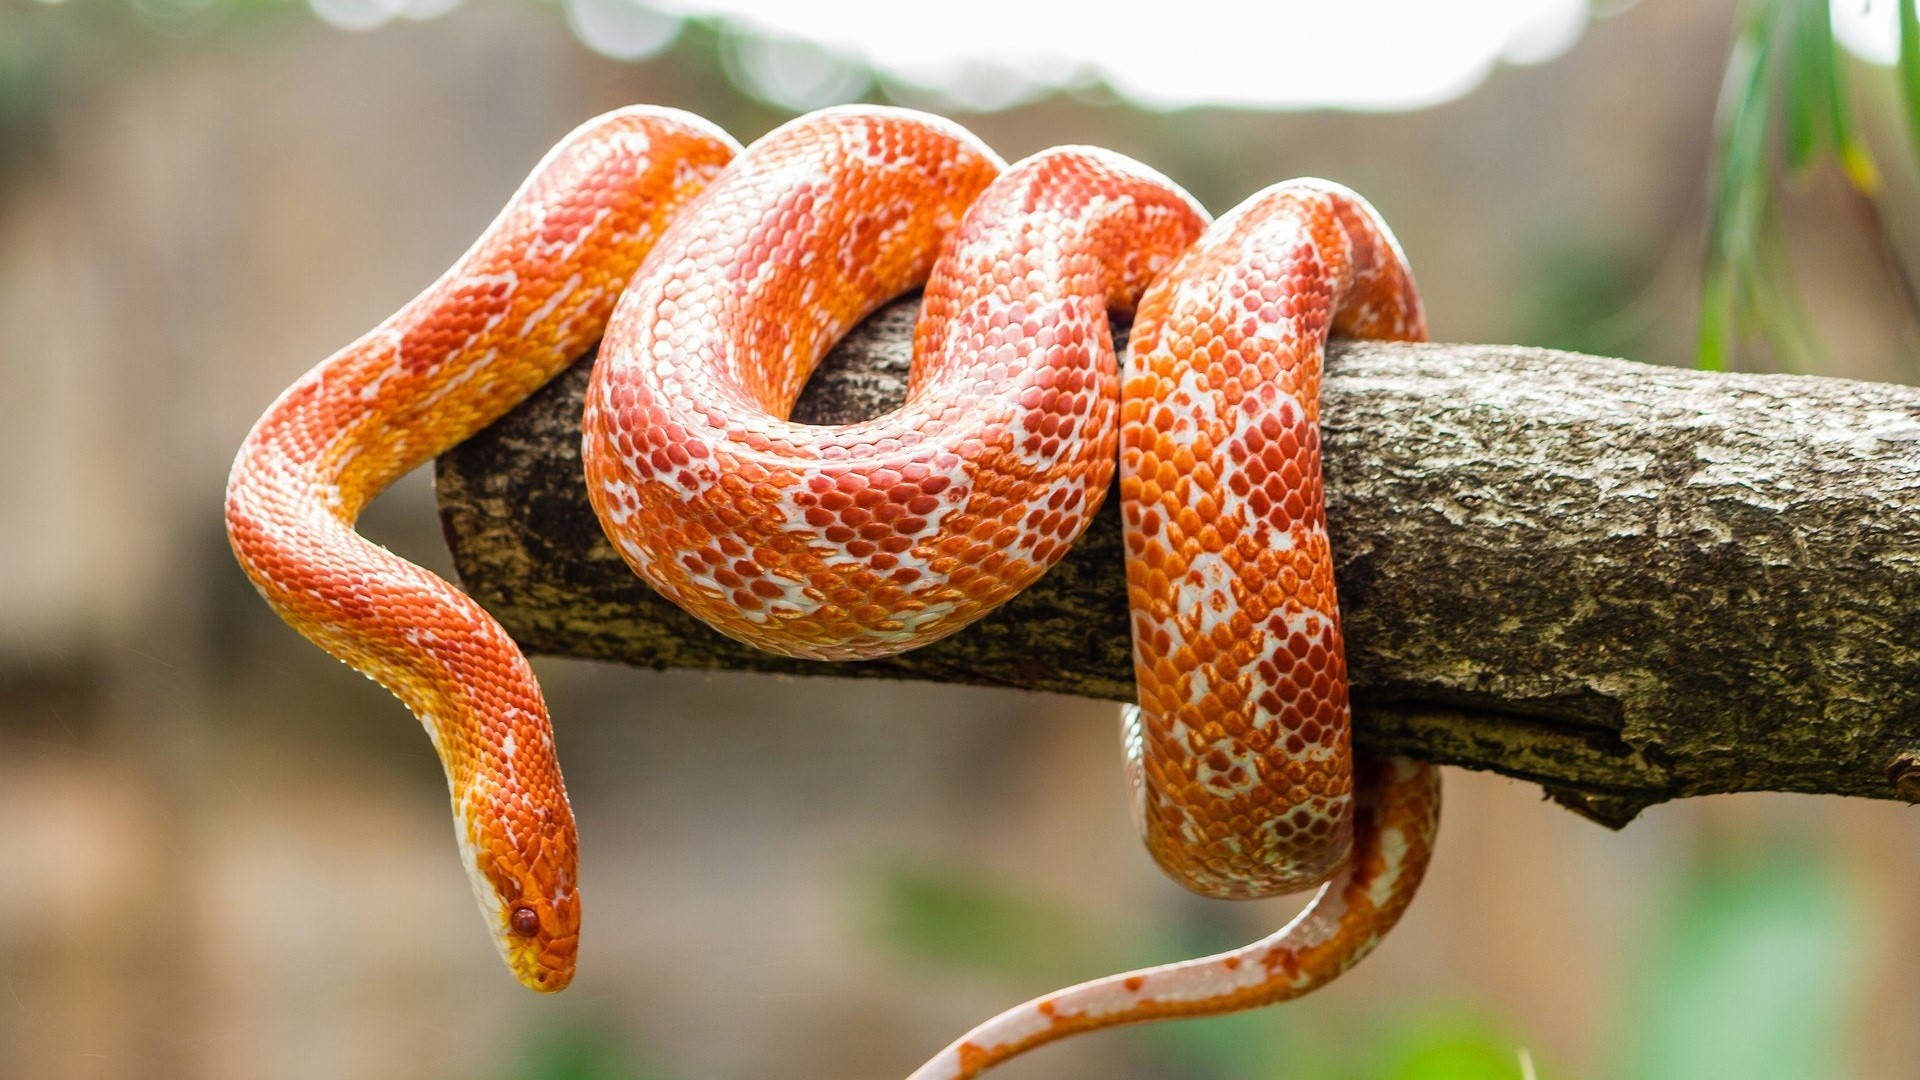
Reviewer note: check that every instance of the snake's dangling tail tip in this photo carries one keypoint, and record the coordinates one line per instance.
(1398, 817)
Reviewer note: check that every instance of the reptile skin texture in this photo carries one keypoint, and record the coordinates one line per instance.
(715, 279)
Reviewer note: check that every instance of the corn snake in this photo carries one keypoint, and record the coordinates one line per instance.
(718, 277)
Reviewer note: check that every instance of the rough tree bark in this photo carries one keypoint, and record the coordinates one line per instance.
(1624, 582)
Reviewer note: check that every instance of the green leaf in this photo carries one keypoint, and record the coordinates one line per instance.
(949, 918)
(1908, 70)
(1784, 102)
(1710, 348)
(1807, 83)
(1847, 145)
(1741, 188)
(1815, 93)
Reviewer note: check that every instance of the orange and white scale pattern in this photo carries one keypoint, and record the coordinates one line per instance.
(1246, 762)
(849, 542)
(867, 539)
(528, 298)
(1239, 753)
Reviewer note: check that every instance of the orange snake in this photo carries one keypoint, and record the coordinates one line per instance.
(718, 277)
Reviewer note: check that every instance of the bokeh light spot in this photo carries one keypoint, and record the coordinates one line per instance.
(792, 72)
(352, 14)
(1869, 29)
(1363, 54)
(622, 29)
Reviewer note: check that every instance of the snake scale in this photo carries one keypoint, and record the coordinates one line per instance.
(715, 278)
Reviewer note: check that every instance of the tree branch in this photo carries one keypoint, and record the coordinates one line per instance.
(1626, 583)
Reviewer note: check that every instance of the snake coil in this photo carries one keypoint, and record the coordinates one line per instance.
(718, 277)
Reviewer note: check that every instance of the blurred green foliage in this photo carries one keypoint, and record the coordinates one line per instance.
(1745, 971)
(1784, 110)
(581, 1051)
(957, 921)
(1586, 295)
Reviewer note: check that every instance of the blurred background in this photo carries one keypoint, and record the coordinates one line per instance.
(226, 855)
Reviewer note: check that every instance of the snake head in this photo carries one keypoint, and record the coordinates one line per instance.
(540, 938)
(523, 873)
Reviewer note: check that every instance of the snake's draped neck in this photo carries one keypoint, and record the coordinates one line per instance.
(532, 294)
(868, 539)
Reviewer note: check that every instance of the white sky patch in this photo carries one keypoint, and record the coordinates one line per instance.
(1366, 54)
(1869, 29)
(994, 54)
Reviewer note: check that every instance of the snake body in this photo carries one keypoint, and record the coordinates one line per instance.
(718, 281)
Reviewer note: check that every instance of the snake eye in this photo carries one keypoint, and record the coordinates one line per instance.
(525, 921)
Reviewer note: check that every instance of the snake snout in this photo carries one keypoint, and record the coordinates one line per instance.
(535, 907)
(540, 940)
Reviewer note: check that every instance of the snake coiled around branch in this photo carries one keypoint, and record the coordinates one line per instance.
(718, 277)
